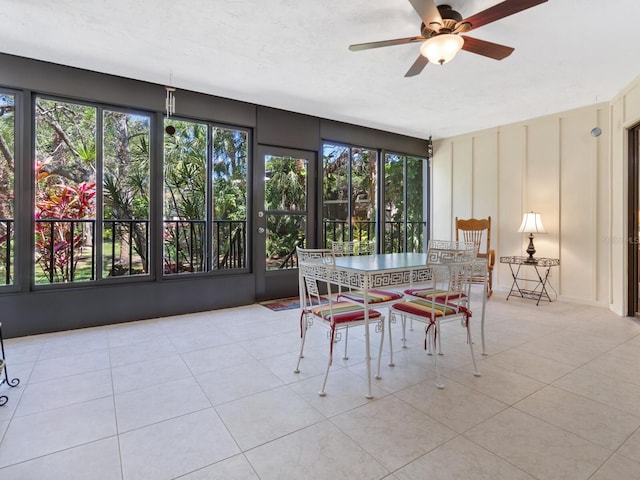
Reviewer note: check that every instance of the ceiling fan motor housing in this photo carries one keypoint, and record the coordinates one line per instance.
(450, 22)
(448, 13)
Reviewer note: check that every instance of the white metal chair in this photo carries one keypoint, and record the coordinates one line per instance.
(315, 267)
(439, 295)
(452, 266)
(375, 297)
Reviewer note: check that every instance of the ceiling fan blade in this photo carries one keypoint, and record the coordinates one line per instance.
(385, 43)
(501, 10)
(487, 49)
(427, 10)
(417, 66)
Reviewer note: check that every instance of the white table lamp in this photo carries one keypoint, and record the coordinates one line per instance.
(531, 224)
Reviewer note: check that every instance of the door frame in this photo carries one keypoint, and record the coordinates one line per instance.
(633, 259)
(279, 283)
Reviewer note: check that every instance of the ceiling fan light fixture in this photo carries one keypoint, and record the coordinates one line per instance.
(442, 48)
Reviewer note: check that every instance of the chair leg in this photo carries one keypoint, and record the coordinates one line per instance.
(304, 337)
(346, 342)
(434, 333)
(391, 316)
(430, 345)
(404, 330)
(473, 357)
(490, 284)
(322, 392)
(381, 323)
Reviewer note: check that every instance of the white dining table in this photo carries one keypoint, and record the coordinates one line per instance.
(366, 272)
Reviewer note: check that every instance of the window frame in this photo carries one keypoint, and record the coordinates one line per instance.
(376, 199)
(426, 199)
(14, 286)
(211, 126)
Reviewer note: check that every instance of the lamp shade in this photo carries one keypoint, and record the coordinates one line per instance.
(442, 48)
(531, 223)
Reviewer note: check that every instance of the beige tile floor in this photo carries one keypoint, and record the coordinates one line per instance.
(213, 396)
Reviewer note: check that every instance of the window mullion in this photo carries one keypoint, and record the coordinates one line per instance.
(99, 200)
(210, 211)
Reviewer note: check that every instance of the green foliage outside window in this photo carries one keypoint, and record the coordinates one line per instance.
(7, 187)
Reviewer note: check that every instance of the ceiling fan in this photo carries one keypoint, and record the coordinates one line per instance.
(441, 29)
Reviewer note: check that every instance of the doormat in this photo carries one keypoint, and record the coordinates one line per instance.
(284, 304)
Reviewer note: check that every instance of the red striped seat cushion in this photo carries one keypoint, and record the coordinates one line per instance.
(343, 312)
(439, 296)
(425, 308)
(373, 296)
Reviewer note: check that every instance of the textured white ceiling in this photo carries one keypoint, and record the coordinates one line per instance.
(292, 54)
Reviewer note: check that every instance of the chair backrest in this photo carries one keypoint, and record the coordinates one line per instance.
(353, 247)
(452, 266)
(443, 252)
(309, 259)
(473, 230)
(317, 255)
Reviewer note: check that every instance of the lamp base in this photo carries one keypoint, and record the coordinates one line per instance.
(531, 250)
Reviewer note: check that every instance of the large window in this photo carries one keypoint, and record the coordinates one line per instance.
(404, 205)
(350, 186)
(349, 193)
(125, 199)
(69, 161)
(65, 189)
(205, 197)
(7, 188)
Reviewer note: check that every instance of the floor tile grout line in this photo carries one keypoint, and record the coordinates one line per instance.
(378, 398)
(115, 415)
(69, 448)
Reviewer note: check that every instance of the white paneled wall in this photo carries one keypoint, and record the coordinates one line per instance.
(552, 165)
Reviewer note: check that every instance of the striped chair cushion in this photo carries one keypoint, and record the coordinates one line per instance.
(343, 312)
(425, 308)
(374, 296)
(439, 296)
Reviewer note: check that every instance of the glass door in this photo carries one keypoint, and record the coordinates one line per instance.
(284, 203)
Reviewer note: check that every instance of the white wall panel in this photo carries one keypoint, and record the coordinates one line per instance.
(511, 162)
(485, 175)
(542, 187)
(618, 233)
(441, 181)
(578, 204)
(603, 262)
(462, 181)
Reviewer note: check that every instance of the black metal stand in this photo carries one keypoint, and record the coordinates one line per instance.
(542, 267)
(12, 383)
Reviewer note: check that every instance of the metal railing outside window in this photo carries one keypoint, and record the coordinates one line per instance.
(6, 250)
(66, 248)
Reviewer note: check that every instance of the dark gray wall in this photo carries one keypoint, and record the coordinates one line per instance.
(52, 79)
(28, 313)
(25, 310)
(288, 129)
(370, 137)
